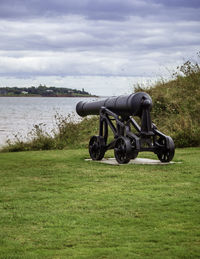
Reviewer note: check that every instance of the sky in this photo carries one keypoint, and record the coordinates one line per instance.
(103, 46)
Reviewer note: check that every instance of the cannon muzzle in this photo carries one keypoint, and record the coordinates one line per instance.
(125, 105)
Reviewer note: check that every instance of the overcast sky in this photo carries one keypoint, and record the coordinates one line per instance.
(56, 40)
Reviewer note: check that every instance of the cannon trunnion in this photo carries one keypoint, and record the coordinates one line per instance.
(130, 138)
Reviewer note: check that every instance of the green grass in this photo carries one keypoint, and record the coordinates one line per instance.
(53, 204)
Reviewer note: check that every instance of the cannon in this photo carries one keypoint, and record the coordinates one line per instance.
(130, 136)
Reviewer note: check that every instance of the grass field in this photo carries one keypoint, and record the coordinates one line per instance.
(53, 204)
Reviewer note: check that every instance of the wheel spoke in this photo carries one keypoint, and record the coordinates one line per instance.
(165, 152)
(97, 147)
(121, 147)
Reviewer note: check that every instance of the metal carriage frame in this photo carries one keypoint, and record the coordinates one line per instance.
(127, 144)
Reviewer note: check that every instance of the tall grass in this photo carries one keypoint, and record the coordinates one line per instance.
(68, 133)
(176, 105)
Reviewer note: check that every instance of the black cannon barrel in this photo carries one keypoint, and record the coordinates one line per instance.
(125, 105)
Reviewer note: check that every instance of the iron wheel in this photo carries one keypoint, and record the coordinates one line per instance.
(97, 147)
(166, 149)
(122, 150)
(134, 153)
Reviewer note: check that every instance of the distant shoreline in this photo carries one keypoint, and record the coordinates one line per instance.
(65, 96)
(43, 91)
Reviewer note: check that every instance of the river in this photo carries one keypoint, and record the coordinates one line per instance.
(18, 115)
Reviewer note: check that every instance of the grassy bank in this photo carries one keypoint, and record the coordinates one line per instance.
(176, 105)
(55, 205)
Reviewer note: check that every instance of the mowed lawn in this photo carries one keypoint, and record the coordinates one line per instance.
(53, 204)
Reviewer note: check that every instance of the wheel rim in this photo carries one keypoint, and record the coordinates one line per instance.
(122, 150)
(97, 147)
(134, 153)
(166, 154)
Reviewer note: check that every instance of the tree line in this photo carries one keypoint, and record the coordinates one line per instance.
(42, 90)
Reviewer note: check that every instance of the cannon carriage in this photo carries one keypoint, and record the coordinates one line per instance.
(130, 138)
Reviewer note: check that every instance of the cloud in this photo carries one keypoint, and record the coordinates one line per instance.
(102, 37)
(179, 3)
(95, 10)
(76, 45)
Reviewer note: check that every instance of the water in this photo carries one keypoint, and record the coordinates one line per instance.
(18, 115)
